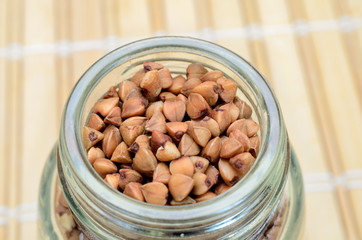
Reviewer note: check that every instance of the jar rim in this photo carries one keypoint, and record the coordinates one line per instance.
(71, 136)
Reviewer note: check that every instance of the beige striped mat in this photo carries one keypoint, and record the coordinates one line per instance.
(310, 50)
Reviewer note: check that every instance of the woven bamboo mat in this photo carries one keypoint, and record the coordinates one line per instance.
(310, 50)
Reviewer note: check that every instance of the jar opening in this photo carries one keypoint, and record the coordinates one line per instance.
(175, 53)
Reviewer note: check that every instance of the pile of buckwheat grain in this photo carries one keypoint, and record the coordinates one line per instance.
(157, 134)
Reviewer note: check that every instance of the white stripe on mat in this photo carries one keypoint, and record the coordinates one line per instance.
(325, 182)
(16, 51)
(25, 212)
(329, 186)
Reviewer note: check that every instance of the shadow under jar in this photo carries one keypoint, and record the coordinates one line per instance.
(267, 203)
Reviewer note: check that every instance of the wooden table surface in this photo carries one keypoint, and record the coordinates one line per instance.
(310, 50)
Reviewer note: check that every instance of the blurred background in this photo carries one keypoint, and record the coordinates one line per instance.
(310, 50)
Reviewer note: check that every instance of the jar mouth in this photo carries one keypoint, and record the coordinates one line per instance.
(269, 118)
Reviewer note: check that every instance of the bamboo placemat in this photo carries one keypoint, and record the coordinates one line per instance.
(310, 50)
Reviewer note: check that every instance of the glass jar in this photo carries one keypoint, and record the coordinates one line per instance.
(268, 203)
